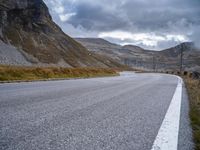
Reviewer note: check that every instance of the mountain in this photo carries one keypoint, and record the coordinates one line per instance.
(134, 56)
(130, 55)
(176, 51)
(191, 56)
(28, 36)
(101, 46)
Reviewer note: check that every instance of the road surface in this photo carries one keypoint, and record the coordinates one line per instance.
(113, 113)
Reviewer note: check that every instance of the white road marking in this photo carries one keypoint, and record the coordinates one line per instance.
(167, 138)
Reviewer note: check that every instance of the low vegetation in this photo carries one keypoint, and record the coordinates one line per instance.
(192, 82)
(14, 73)
(193, 87)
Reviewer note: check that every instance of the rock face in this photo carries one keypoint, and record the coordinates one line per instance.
(101, 46)
(191, 56)
(10, 55)
(137, 57)
(28, 26)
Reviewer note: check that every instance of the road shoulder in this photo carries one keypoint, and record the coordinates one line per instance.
(185, 130)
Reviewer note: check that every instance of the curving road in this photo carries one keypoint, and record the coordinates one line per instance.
(113, 113)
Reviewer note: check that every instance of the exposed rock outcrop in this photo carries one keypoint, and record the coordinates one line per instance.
(28, 26)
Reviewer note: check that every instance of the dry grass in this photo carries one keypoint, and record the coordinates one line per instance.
(12, 73)
(193, 87)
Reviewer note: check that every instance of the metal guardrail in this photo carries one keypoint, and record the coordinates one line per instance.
(196, 75)
(3, 7)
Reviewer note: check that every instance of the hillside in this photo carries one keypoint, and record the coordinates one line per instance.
(175, 51)
(28, 36)
(191, 56)
(101, 46)
(130, 55)
(135, 56)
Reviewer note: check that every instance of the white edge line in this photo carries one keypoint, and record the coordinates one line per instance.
(167, 138)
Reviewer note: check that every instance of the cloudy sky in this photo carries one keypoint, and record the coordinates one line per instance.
(152, 24)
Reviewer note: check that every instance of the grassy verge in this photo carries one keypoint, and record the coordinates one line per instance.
(13, 73)
(193, 87)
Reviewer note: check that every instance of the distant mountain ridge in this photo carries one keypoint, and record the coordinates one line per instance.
(176, 50)
(27, 30)
(134, 56)
(28, 36)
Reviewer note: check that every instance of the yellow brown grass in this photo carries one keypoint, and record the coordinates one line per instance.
(12, 73)
(193, 87)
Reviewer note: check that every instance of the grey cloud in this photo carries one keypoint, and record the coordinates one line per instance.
(195, 36)
(96, 18)
(135, 16)
(155, 14)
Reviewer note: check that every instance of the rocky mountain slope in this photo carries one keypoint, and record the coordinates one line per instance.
(28, 36)
(191, 56)
(135, 56)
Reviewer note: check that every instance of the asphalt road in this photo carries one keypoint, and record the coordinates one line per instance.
(119, 113)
